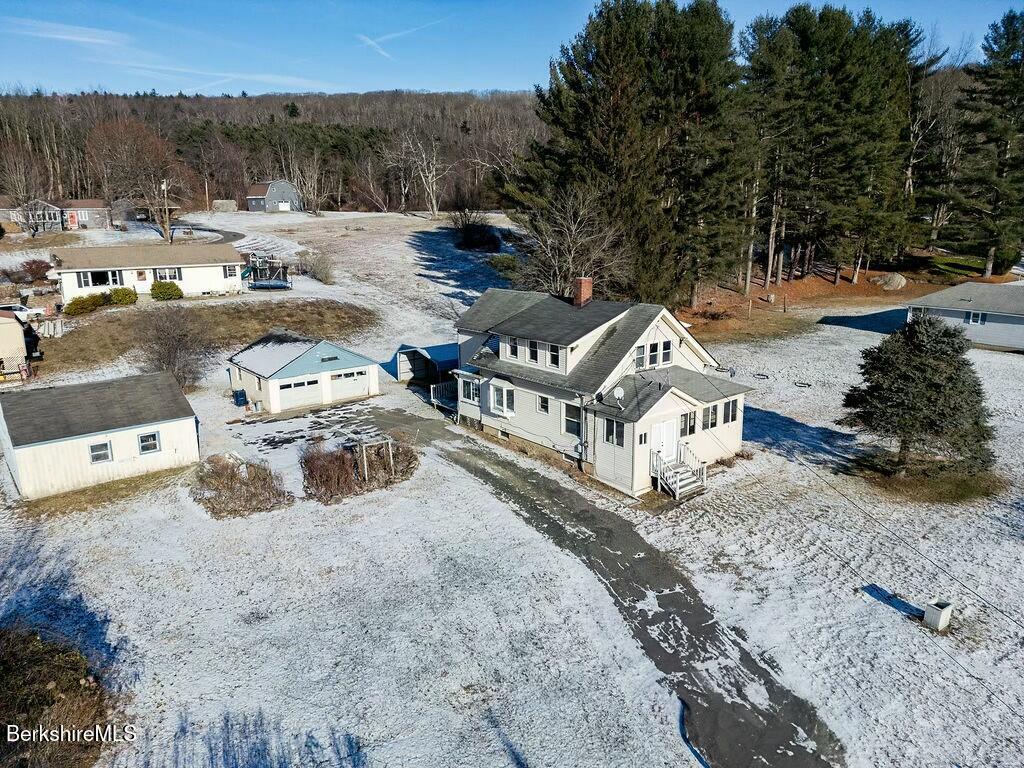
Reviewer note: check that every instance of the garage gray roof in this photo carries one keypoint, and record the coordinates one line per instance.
(643, 391)
(587, 376)
(997, 298)
(58, 413)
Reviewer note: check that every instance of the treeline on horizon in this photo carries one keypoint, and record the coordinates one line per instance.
(821, 138)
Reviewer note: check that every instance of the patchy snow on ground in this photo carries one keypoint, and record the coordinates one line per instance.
(818, 569)
(419, 627)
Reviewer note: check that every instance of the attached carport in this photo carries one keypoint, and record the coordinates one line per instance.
(426, 365)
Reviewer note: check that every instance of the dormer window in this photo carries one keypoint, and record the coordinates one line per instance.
(638, 357)
(554, 355)
(513, 347)
(652, 355)
(666, 352)
(534, 352)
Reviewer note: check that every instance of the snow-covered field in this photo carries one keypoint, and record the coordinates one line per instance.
(781, 544)
(431, 625)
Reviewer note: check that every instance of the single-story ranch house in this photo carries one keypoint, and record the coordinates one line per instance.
(60, 439)
(991, 314)
(197, 269)
(616, 386)
(59, 214)
(284, 371)
(273, 196)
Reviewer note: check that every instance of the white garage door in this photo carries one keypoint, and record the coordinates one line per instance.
(350, 384)
(300, 394)
(285, 206)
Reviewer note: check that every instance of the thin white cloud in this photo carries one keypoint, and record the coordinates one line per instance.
(50, 30)
(374, 43)
(267, 78)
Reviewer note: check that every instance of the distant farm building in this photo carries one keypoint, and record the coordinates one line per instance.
(991, 314)
(273, 196)
(64, 438)
(286, 371)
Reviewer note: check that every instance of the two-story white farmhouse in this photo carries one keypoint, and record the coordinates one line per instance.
(616, 386)
(197, 269)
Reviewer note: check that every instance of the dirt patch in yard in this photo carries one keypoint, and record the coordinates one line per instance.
(101, 495)
(935, 487)
(105, 337)
(47, 683)
(42, 240)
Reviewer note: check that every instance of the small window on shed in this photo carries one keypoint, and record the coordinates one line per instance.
(149, 443)
(99, 453)
(330, 359)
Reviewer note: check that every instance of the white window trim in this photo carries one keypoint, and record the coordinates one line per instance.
(554, 349)
(504, 389)
(543, 398)
(513, 347)
(971, 318)
(532, 349)
(159, 443)
(110, 453)
(565, 407)
(618, 432)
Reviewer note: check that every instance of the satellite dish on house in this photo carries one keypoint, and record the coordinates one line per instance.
(618, 393)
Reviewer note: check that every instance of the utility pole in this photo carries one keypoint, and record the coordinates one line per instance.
(206, 184)
(167, 212)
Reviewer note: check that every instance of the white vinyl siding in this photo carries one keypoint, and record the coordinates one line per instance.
(149, 443)
(572, 419)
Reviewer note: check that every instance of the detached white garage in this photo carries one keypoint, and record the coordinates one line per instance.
(60, 439)
(286, 371)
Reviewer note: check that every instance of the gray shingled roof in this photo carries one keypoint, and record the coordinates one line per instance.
(997, 298)
(555, 320)
(56, 413)
(643, 391)
(597, 365)
(495, 306)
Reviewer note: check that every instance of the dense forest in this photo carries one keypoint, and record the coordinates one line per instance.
(668, 149)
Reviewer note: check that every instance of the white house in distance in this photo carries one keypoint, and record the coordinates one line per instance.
(991, 314)
(198, 270)
(285, 371)
(619, 387)
(60, 439)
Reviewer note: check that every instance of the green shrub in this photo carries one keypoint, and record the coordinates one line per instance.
(123, 296)
(164, 291)
(505, 264)
(83, 305)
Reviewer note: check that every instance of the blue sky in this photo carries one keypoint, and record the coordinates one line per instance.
(227, 46)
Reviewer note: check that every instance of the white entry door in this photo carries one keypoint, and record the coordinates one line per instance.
(663, 439)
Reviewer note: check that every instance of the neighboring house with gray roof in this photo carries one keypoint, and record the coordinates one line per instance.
(619, 387)
(285, 371)
(273, 196)
(59, 439)
(991, 314)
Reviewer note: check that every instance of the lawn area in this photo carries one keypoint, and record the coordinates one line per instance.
(110, 334)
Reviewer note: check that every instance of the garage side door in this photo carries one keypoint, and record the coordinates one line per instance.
(300, 394)
(349, 385)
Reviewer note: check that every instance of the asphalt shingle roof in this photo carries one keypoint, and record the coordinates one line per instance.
(997, 298)
(555, 320)
(495, 306)
(132, 256)
(56, 413)
(597, 365)
(643, 390)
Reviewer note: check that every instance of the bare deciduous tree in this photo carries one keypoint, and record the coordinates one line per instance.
(22, 178)
(569, 239)
(174, 339)
(429, 167)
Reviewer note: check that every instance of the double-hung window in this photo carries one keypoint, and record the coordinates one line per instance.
(503, 399)
(534, 351)
(974, 318)
(99, 453)
(168, 274)
(513, 347)
(729, 411)
(614, 432)
(573, 418)
(470, 391)
(230, 270)
(652, 354)
(666, 352)
(543, 404)
(638, 357)
(554, 355)
(149, 443)
(688, 424)
(709, 418)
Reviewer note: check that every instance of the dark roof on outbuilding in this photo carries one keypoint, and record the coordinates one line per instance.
(58, 413)
(997, 298)
(643, 390)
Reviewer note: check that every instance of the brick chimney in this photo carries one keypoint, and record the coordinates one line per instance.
(583, 291)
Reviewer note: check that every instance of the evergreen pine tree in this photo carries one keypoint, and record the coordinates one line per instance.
(991, 193)
(921, 391)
